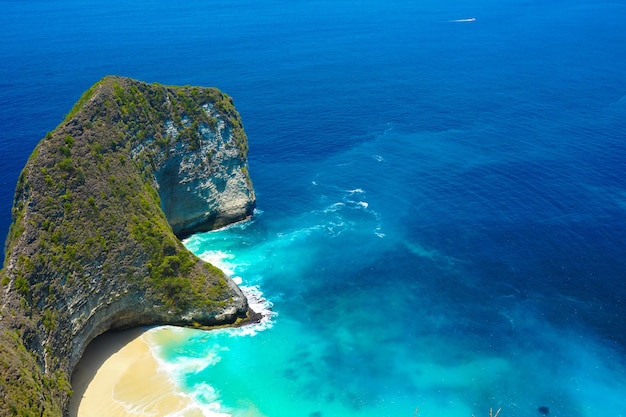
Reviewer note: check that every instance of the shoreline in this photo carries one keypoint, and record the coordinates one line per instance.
(119, 376)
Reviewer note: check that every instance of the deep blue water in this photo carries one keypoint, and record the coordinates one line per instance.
(441, 205)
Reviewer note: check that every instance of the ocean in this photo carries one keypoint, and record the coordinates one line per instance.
(441, 216)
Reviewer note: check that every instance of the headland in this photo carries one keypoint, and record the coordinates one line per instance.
(98, 214)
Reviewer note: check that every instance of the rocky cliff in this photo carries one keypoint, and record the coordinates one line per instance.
(97, 216)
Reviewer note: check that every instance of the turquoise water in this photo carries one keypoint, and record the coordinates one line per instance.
(349, 338)
(374, 319)
(441, 205)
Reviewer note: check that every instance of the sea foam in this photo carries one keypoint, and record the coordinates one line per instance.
(260, 305)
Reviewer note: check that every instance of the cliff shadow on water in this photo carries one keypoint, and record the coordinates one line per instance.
(97, 215)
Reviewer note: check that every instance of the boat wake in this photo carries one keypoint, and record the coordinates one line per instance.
(471, 19)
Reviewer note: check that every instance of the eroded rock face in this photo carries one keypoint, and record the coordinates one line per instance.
(93, 244)
(207, 189)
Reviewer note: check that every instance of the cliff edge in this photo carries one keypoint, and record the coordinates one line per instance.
(97, 216)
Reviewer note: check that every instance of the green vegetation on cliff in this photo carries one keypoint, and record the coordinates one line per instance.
(90, 248)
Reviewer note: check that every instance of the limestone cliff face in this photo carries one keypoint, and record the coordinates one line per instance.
(97, 212)
(206, 189)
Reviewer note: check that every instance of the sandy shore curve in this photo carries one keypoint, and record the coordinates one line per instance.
(118, 376)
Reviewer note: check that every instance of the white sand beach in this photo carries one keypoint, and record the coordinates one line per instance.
(118, 376)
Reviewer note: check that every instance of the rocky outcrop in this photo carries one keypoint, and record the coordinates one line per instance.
(198, 199)
(98, 212)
